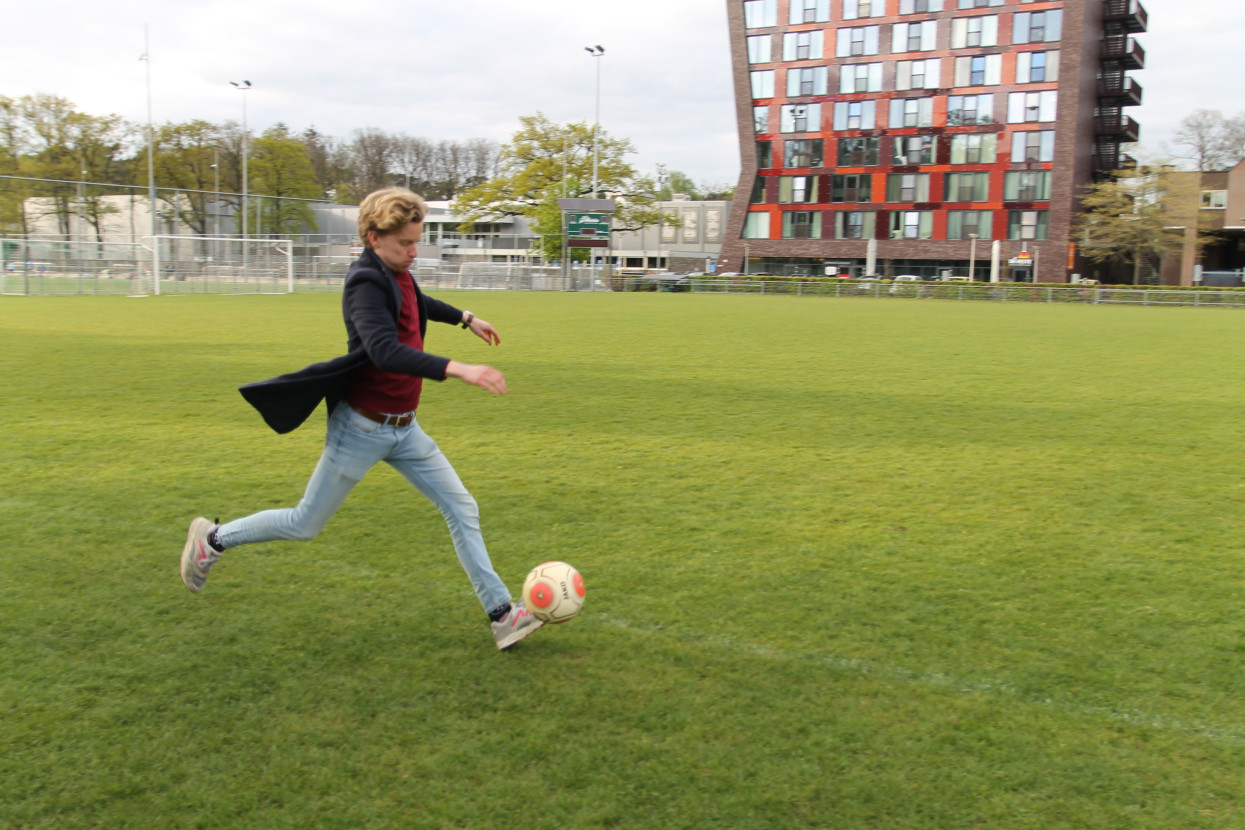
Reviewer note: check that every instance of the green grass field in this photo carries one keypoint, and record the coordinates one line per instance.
(850, 564)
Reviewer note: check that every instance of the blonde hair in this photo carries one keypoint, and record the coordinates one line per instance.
(389, 210)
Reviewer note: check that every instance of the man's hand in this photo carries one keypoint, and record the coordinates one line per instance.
(486, 377)
(484, 330)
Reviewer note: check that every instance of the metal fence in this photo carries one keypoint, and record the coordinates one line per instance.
(230, 266)
(981, 292)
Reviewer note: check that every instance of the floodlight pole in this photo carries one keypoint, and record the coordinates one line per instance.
(151, 173)
(596, 52)
(972, 256)
(244, 87)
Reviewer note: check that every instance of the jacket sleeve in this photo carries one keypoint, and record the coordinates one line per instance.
(442, 312)
(364, 302)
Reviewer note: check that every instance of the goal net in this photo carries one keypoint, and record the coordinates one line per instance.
(220, 265)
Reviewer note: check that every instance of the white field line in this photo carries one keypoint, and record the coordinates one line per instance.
(941, 680)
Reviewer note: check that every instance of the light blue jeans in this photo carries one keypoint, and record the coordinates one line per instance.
(353, 446)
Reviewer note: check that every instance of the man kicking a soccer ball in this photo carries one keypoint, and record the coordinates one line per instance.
(372, 394)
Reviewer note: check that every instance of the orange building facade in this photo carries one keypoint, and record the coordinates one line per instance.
(880, 137)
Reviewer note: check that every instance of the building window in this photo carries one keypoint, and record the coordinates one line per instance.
(965, 110)
(860, 77)
(1026, 224)
(979, 4)
(855, 115)
(1026, 186)
(856, 40)
(965, 224)
(759, 48)
(917, 74)
(762, 83)
(800, 118)
(967, 187)
(806, 80)
(1037, 27)
(765, 154)
(1033, 145)
(760, 13)
(858, 152)
(797, 189)
(974, 148)
(855, 224)
(854, 9)
(803, 152)
(1031, 107)
(851, 188)
(758, 191)
(760, 120)
(809, 11)
(911, 112)
(914, 37)
(907, 187)
(756, 225)
(914, 149)
(801, 224)
(975, 31)
(979, 70)
(918, 6)
(802, 46)
(1036, 67)
(1215, 199)
(912, 224)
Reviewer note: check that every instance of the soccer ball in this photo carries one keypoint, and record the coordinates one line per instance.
(553, 592)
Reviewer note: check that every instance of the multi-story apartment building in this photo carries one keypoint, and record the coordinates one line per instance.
(911, 136)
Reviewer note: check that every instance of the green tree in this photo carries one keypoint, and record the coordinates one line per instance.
(13, 191)
(545, 160)
(185, 175)
(1138, 216)
(281, 170)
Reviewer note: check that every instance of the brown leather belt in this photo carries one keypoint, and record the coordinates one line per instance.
(403, 419)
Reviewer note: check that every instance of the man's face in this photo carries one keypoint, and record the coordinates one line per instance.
(397, 249)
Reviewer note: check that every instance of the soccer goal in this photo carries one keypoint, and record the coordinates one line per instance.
(220, 265)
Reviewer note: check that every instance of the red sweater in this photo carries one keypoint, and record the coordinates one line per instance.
(391, 392)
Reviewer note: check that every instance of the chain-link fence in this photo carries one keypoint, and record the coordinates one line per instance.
(982, 292)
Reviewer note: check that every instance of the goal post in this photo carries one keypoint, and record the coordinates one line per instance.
(220, 265)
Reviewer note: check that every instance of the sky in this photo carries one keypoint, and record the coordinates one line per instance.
(470, 68)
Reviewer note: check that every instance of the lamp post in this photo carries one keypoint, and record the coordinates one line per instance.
(972, 256)
(215, 204)
(243, 87)
(151, 174)
(661, 213)
(596, 52)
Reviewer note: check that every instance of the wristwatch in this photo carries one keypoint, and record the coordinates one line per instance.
(467, 323)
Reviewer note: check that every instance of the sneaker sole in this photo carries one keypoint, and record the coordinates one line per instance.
(188, 570)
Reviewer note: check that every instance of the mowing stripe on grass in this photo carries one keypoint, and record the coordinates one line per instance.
(937, 680)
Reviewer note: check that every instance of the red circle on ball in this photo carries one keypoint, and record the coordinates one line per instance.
(541, 595)
(578, 582)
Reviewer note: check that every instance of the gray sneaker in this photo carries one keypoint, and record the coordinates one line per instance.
(514, 626)
(198, 556)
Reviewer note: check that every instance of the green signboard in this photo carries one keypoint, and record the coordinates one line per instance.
(587, 225)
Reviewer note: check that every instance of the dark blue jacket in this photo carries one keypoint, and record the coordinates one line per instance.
(371, 302)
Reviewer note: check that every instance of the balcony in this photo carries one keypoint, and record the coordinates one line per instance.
(1117, 125)
(1124, 49)
(1118, 90)
(1128, 13)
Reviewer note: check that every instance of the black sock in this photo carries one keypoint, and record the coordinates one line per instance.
(214, 540)
(499, 613)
